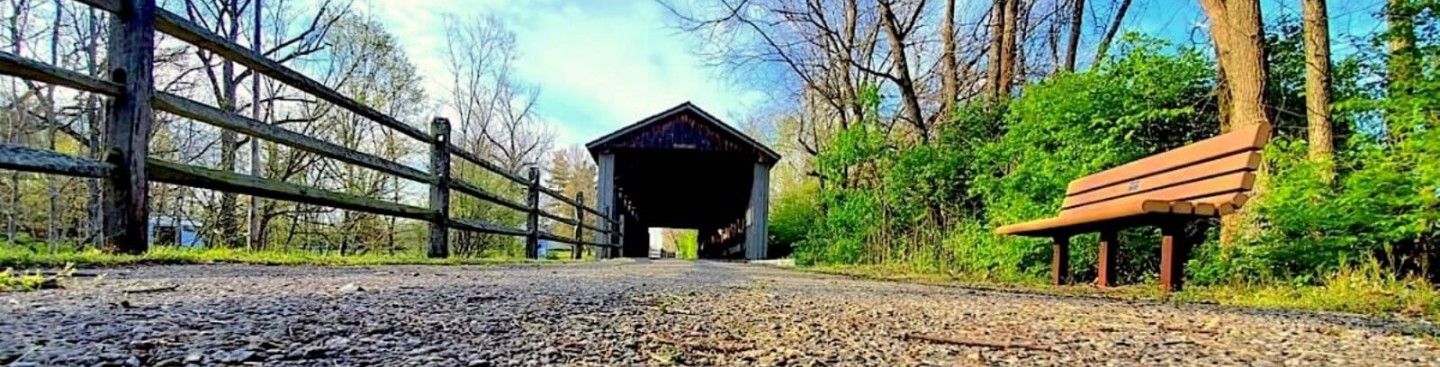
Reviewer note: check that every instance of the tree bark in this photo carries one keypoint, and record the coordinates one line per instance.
(1317, 84)
(1009, 28)
(997, 29)
(255, 238)
(1235, 25)
(949, 75)
(901, 71)
(1077, 13)
(1236, 28)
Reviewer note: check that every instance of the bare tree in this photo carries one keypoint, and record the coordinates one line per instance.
(1072, 46)
(949, 73)
(227, 19)
(1115, 22)
(496, 111)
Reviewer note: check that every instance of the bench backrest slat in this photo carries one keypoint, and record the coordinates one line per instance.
(1248, 138)
(1205, 178)
(1240, 161)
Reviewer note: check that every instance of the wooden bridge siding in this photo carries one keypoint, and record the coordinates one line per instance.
(681, 132)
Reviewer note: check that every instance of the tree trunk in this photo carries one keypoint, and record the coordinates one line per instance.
(1077, 13)
(1236, 28)
(901, 70)
(255, 237)
(93, 120)
(229, 140)
(1401, 64)
(997, 29)
(52, 185)
(949, 73)
(1009, 29)
(1317, 85)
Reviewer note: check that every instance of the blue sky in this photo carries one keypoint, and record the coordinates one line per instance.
(599, 64)
(602, 64)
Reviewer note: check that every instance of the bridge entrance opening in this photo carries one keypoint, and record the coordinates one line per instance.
(684, 168)
(678, 243)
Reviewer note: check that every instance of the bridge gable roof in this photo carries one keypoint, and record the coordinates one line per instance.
(684, 127)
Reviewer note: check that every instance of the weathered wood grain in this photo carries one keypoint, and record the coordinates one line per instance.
(200, 112)
(532, 217)
(205, 178)
(14, 157)
(468, 189)
(485, 227)
(177, 26)
(16, 66)
(579, 225)
(557, 218)
(180, 106)
(439, 189)
(125, 206)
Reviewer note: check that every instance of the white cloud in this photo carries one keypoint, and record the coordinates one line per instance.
(599, 64)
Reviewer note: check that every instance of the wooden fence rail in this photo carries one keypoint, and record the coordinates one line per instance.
(126, 168)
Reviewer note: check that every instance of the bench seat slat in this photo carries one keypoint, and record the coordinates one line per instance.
(1210, 197)
(1120, 209)
(1248, 138)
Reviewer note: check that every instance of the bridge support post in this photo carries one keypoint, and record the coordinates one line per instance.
(757, 217)
(532, 219)
(439, 189)
(605, 200)
(126, 200)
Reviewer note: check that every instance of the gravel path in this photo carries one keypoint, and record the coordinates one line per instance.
(641, 313)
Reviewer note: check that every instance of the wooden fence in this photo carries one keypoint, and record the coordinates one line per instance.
(126, 168)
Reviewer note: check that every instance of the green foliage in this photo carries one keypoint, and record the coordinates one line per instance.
(1355, 233)
(793, 213)
(14, 281)
(933, 206)
(687, 245)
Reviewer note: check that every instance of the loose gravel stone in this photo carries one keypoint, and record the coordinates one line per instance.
(637, 312)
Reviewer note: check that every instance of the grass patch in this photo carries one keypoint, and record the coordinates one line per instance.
(23, 258)
(16, 281)
(1365, 290)
(13, 281)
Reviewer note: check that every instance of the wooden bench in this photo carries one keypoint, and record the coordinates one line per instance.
(1209, 178)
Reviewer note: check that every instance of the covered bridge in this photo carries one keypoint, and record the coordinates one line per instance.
(684, 168)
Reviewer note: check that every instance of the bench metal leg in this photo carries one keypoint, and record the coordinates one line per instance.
(1174, 251)
(1109, 248)
(1060, 261)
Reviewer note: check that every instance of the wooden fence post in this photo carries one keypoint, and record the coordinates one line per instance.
(440, 188)
(126, 203)
(532, 221)
(616, 234)
(579, 225)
